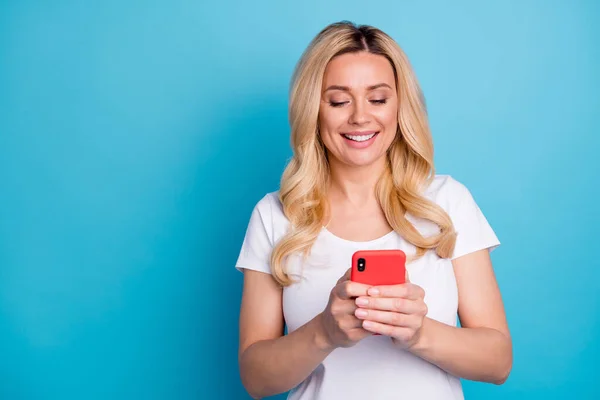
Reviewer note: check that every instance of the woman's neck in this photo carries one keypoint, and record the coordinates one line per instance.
(354, 185)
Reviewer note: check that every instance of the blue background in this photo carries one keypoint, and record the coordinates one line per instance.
(135, 138)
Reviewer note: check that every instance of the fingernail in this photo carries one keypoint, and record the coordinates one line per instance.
(362, 301)
(361, 313)
(367, 324)
(374, 292)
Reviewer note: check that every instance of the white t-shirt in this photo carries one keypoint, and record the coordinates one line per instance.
(373, 368)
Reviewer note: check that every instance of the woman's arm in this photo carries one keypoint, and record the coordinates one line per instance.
(271, 363)
(481, 349)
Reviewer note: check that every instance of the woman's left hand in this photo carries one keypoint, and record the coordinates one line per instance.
(397, 311)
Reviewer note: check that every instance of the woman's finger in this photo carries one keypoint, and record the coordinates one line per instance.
(396, 304)
(340, 307)
(398, 332)
(389, 318)
(405, 290)
(350, 290)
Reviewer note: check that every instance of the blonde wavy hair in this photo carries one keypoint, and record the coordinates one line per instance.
(410, 168)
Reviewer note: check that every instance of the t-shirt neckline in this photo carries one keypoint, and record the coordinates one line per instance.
(371, 242)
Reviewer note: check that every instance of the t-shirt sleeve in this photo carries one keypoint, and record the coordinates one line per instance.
(257, 245)
(473, 229)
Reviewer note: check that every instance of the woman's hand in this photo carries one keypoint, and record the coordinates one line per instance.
(340, 327)
(397, 311)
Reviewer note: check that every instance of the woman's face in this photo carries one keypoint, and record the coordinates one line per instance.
(358, 115)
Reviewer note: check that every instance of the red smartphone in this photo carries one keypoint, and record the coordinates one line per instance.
(378, 267)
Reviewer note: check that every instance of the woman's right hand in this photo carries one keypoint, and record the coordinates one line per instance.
(339, 325)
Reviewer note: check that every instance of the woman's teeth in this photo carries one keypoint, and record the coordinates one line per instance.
(360, 138)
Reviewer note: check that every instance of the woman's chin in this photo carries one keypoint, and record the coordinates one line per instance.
(364, 160)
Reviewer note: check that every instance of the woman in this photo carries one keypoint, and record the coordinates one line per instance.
(362, 177)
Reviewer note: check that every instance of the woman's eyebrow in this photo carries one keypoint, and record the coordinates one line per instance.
(347, 89)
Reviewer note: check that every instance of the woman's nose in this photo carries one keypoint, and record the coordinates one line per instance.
(359, 114)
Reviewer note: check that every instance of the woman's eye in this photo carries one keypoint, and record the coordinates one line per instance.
(382, 101)
(341, 103)
(337, 104)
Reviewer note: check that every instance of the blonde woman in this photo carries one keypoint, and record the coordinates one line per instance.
(362, 177)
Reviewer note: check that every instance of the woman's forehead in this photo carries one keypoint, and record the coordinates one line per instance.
(358, 71)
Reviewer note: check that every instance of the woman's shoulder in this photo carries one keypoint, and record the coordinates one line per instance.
(270, 209)
(444, 182)
(269, 202)
(445, 189)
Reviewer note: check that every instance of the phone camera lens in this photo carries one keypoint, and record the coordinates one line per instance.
(361, 264)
